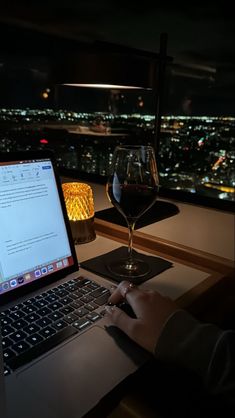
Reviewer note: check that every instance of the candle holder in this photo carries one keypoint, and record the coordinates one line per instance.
(80, 209)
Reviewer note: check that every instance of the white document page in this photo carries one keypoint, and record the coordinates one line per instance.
(32, 229)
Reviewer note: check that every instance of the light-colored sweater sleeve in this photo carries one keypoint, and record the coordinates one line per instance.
(201, 348)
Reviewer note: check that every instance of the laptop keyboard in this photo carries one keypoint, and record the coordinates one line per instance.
(40, 323)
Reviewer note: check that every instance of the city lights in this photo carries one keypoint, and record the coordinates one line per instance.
(196, 154)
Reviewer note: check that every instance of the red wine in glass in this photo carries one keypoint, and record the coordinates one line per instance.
(132, 200)
(132, 188)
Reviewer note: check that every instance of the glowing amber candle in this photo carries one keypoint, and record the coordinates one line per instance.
(80, 208)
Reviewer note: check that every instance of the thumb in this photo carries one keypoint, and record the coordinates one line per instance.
(120, 319)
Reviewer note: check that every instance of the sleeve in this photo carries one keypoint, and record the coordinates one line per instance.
(201, 348)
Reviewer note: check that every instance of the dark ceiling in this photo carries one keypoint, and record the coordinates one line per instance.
(200, 37)
(203, 35)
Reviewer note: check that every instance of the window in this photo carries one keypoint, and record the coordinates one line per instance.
(82, 126)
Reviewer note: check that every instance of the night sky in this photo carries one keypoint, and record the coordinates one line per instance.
(200, 40)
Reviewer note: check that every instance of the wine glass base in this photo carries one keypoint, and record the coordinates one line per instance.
(129, 269)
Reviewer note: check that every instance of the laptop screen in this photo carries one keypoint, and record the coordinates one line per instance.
(33, 237)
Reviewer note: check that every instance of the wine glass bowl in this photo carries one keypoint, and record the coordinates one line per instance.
(132, 188)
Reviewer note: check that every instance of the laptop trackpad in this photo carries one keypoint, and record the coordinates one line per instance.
(71, 380)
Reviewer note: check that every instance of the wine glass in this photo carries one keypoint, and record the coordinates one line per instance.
(132, 188)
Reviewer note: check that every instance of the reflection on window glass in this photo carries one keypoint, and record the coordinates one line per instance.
(83, 126)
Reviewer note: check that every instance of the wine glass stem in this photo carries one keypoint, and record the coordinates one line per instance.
(131, 227)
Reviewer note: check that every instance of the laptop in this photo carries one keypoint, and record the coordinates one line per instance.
(60, 358)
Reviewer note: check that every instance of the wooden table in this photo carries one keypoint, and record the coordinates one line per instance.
(201, 243)
(194, 282)
(197, 282)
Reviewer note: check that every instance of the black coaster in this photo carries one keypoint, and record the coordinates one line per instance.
(98, 265)
(160, 210)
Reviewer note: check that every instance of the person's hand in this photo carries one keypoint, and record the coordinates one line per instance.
(151, 310)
